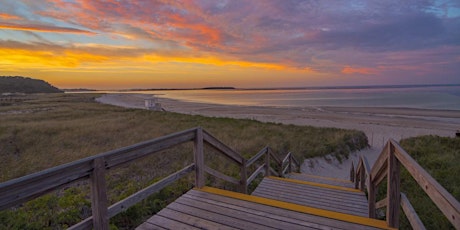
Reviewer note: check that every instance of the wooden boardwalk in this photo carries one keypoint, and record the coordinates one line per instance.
(276, 204)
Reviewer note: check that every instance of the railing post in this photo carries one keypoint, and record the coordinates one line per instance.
(99, 195)
(371, 197)
(290, 163)
(199, 158)
(362, 178)
(393, 190)
(267, 162)
(244, 177)
(352, 172)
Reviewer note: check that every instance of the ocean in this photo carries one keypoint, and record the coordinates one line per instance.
(418, 97)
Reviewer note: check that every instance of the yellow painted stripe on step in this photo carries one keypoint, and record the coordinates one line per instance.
(316, 184)
(299, 208)
(323, 177)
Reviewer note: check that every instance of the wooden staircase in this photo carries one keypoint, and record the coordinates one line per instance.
(282, 200)
(277, 203)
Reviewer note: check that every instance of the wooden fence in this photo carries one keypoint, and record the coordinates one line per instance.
(20, 190)
(388, 166)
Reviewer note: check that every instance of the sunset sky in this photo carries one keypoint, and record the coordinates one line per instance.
(262, 43)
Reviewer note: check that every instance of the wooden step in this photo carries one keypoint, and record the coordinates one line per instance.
(312, 194)
(321, 179)
(211, 208)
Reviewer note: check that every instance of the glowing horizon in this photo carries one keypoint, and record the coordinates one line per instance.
(177, 44)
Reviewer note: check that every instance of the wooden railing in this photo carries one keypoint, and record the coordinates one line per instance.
(388, 165)
(94, 168)
(287, 165)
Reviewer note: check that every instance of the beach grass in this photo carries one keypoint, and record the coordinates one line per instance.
(440, 157)
(42, 131)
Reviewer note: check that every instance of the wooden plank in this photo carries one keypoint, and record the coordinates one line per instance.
(371, 196)
(275, 213)
(220, 175)
(243, 178)
(198, 150)
(448, 205)
(267, 164)
(296, 162)
(307, 191)
(299, 208)
(126, 203)
(221, 147)
(312, 189)
(124, 155)
(381, 203)
(191, 220)
(99, 195)
(274, 157)
(277, 219)
(393, 188)
(410, 213)
(167, 223)
(256, 157)
(149, 226)
(379, 165)
(246, 219)
(82, 225)
(286, 159)
(316, 203)
(273, 172)
(330, 181)
(315, 184)
(316, 195)
(255, 174)
(20, 190)
(352, 172)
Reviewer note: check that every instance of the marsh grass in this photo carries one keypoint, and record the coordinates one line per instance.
(42, 131)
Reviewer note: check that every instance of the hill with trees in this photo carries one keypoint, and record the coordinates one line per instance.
(17, 84)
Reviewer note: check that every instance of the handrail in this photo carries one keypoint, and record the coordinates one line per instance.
(20, 190)
(388, 165)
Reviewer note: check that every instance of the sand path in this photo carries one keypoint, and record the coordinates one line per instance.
(379, 124)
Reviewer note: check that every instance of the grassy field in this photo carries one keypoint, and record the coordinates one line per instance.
(440, 157)
(42, 131)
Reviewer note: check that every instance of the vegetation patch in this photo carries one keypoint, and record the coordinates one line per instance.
(440, 157)
(60, 128)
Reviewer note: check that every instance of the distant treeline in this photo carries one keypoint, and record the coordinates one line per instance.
(17, 84)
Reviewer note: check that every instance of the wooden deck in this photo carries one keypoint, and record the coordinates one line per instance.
(276, 204)
(322, 196)
(320, 179)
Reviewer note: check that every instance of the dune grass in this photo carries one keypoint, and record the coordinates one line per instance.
(440, 157)
(42, 131)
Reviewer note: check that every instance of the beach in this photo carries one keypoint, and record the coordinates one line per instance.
(378, 123)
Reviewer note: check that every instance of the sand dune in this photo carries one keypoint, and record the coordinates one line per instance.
(379, 124)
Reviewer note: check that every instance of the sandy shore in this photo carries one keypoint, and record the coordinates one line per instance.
(379, 124)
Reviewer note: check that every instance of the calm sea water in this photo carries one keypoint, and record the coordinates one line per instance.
(435, 97)
(445, 97)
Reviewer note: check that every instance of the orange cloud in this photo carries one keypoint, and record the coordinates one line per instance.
(8, 16)
(43, 28)
(358, 70)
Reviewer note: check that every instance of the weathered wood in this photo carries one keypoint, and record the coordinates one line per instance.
(257, 156)
(352, 172)
(286, 158)
(267, 163)
(283, 171)
(99, 195)
(165, 222)
(273, 172)
(371, 197)
(199, 159)
(255, 174)
(290, 163)
(25, 188)
(124, 155)
(380, 176)
(448, 205)
(379, 165)
(381, 203)
(296, 162)
(126, 203)
(221, 175)
(393, 190)
(274, 157)
(243, 178)
(281, 215)
(83, 225)
(410, 213)
(221, 147)
(362, 178)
